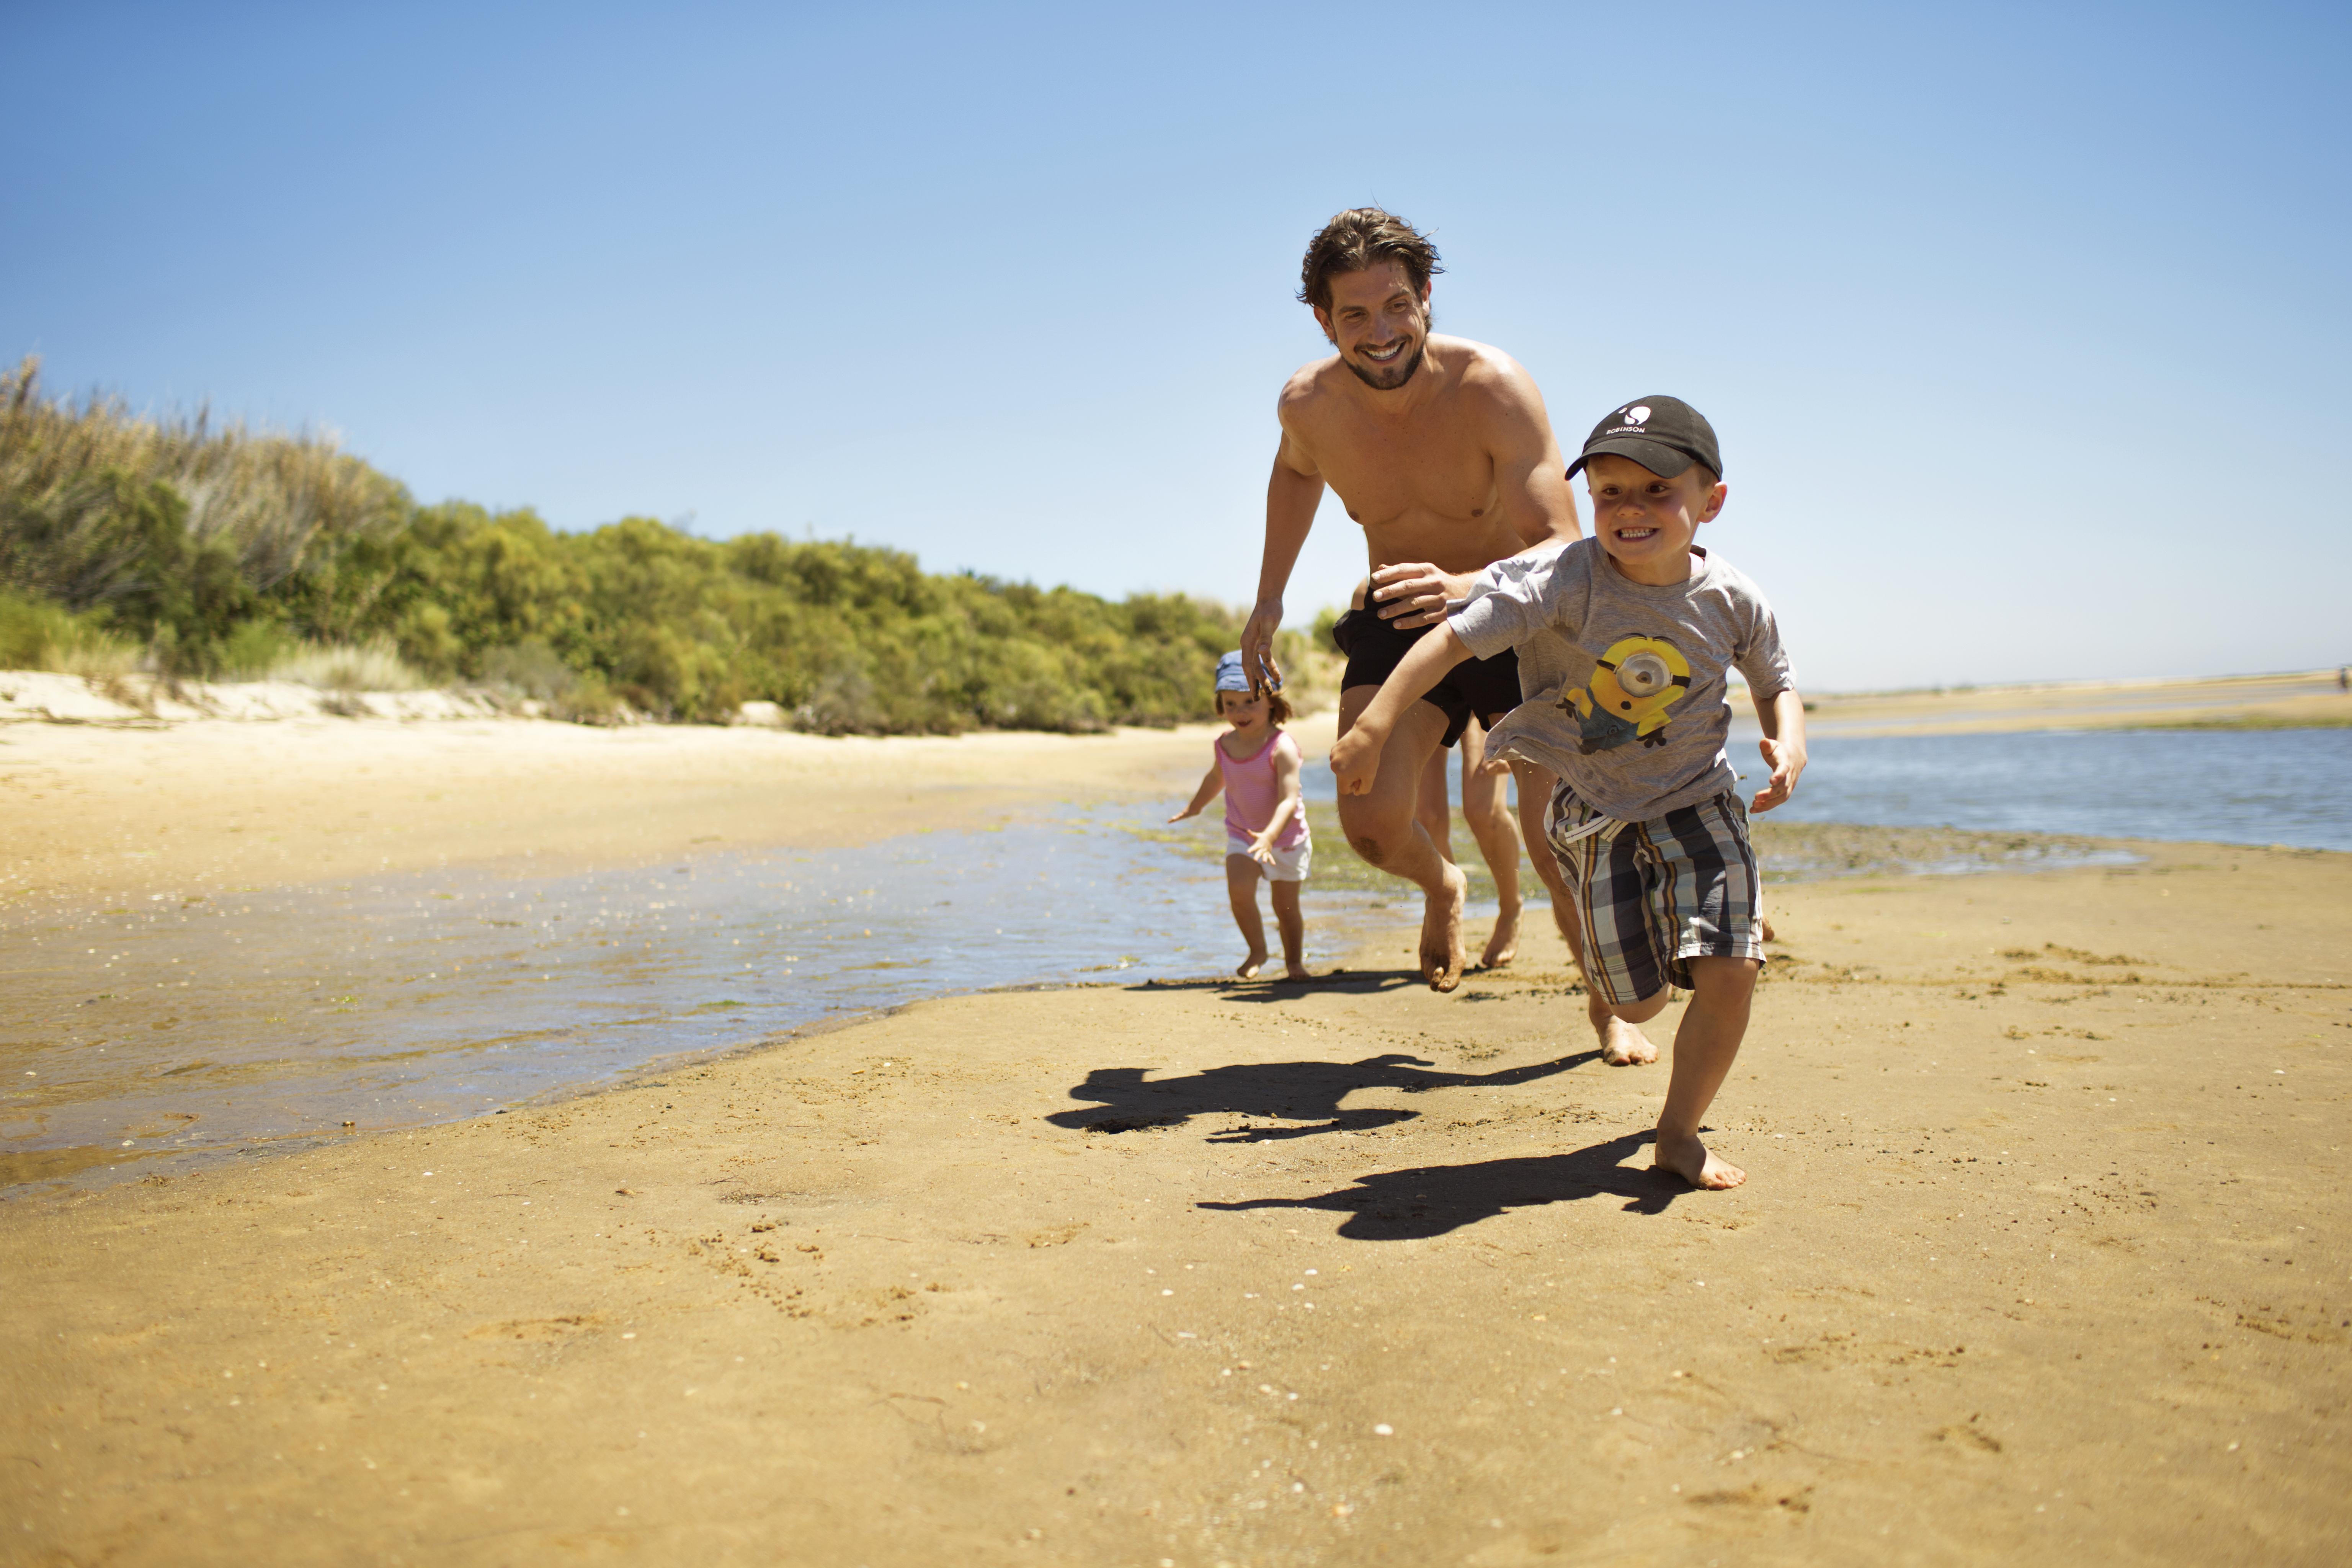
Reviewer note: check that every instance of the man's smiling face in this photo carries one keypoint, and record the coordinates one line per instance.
(1379, 324)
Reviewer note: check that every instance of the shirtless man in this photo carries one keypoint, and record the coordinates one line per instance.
(1440, 447)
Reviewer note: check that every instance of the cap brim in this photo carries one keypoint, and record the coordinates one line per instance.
(1655, 455)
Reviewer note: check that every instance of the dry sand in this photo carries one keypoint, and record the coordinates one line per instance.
(2043, 1258)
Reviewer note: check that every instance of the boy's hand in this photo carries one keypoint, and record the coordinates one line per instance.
(1415, 594)
(1262, 850)
(1787, 761)
(1188, 811)
(1356, 758)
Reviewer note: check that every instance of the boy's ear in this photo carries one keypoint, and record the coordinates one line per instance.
(1715, 500)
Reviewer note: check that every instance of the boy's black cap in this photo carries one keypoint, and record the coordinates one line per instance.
(1665, 435)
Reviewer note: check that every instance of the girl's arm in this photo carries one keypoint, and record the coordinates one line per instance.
(1286, 779)
(1213, 784)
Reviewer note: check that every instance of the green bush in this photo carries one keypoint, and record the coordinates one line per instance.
(225, 551)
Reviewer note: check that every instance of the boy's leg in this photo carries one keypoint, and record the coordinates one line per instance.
(1381, 828)
(1293, 926)
(1622, 1044)
(1242, 878)
(1705, 1047)
(1486, 805)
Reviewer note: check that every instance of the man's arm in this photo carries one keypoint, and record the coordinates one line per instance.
(1292, 494)
(1530, 487)
(1783, 745)
(1357, 757)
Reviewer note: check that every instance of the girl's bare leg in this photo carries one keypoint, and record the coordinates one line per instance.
(1487, 806)
(1293, 926)
(1242, 878)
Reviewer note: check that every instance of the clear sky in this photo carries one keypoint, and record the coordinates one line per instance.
(2025, 326)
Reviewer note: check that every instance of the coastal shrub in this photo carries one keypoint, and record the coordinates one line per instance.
(214, 550)
(39, 634)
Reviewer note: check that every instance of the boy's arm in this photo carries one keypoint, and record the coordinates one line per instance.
(1783, 745)
(1213, 783)
(1286, 780)
(1357, 757)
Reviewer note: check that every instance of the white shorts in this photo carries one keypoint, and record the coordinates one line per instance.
(1289, 865)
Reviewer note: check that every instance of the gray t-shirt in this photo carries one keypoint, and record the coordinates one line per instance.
(1621, 684)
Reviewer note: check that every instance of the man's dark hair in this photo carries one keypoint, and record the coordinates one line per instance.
(1363, 238)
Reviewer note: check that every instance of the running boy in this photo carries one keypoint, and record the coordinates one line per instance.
(1623, 640)
(1266, 818)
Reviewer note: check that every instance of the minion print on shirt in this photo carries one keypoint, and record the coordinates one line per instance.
(1627, 695)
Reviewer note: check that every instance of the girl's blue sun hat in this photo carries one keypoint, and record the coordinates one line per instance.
(1230, 674)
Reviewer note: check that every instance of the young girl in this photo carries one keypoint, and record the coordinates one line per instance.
(1265, 819)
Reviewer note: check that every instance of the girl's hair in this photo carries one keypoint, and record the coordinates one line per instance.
(1277, 711)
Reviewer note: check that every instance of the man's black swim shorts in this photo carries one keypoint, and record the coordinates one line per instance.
(1488, 688)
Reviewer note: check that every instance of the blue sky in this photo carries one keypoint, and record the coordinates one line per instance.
(2024, 326)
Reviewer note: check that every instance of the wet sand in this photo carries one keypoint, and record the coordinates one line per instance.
(2042, 1260)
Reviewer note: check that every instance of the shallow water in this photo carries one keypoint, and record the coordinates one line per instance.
(245, 1017)
(2232, 787)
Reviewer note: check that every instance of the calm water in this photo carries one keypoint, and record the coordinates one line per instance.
(234, 1020)
(241, 1018)
(2235, 786)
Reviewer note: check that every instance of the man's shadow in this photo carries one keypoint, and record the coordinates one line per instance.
(1431, 1200)
(1307, 1091)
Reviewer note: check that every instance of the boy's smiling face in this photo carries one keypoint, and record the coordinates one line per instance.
(1646, 523)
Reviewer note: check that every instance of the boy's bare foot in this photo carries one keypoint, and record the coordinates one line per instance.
(1503, 945)
(1296, 971)
(1249, 966)
(1688, 1158)
(1440, 931)
(1623, 1044)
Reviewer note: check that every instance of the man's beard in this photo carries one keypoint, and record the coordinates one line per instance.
(1390, 379)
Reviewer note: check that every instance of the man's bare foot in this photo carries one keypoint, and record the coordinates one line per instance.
(1688, 1158)
(1440, 931)
(1623, 1044)
(1503, 945)
(1248, 967)
(1296, 971)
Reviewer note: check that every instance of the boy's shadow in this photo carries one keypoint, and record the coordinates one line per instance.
(1277, 988)
(1307, 1091)
(1431, 1200)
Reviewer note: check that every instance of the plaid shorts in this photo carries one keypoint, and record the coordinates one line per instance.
(1652, 895)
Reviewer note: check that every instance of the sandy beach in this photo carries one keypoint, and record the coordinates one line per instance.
(2042, 1258)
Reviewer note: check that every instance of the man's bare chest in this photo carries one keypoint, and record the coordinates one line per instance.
(1386, 469)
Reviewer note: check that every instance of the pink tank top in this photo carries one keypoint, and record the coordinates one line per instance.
(1251, 796)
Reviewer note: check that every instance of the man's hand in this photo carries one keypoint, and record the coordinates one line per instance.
(1357, 757)
(1415, 594)
(1786, 760)
(1257, 648)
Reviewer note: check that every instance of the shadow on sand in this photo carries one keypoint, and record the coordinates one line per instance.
(1306, 1091)
(1275, 988)
(1431, 1200)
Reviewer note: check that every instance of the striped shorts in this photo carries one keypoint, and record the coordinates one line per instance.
(1652, 895)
